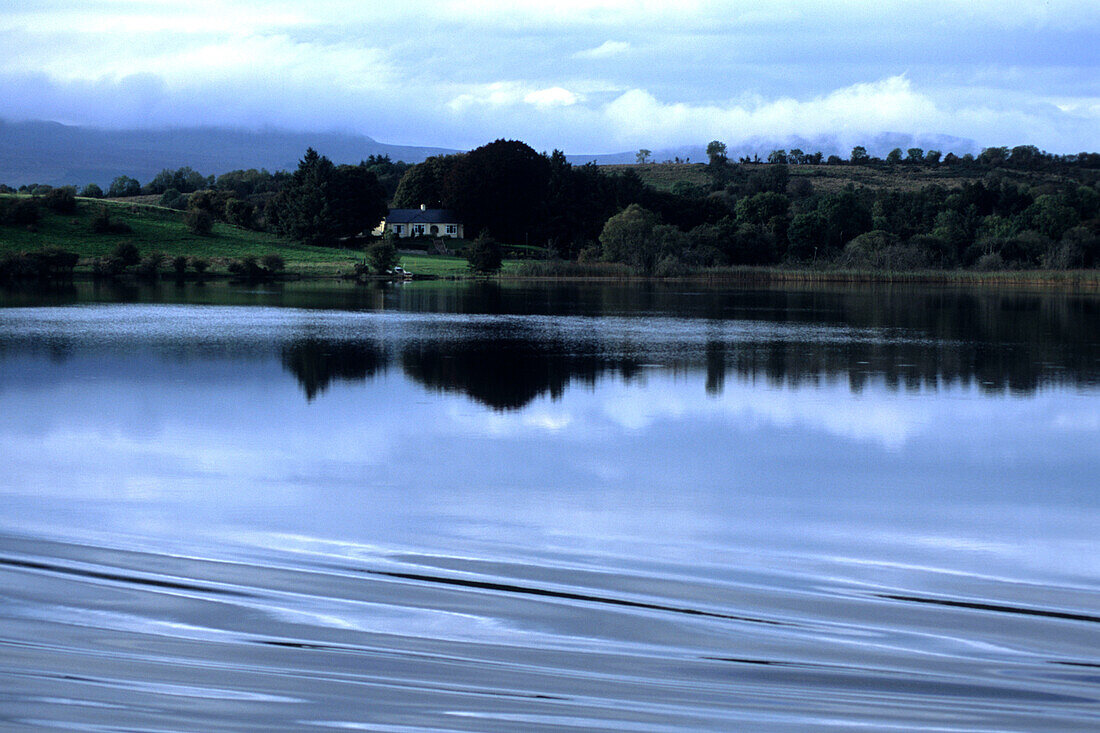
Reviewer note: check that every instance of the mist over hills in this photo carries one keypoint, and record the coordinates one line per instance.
(57, 154)
(877, 145)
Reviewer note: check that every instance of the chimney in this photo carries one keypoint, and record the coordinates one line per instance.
(423, 207)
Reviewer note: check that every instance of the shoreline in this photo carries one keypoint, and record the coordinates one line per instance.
(1085, 280)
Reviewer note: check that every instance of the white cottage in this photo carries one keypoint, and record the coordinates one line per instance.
(422, 222)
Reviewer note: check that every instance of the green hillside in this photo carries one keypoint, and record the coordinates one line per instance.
(158, 229)
(832, 178)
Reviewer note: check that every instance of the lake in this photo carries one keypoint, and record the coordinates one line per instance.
(548, 507)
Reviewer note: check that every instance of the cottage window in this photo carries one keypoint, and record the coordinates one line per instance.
(418, 229)
(397, 228)
(452, 229)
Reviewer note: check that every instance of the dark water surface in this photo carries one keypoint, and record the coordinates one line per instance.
(446, 507)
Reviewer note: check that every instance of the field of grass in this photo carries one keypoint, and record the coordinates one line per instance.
(663, 176)
(159, 229)
(832, 178)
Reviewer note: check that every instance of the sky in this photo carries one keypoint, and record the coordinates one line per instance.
(585, 76)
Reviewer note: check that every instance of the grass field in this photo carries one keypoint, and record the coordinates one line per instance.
(159, 229)
(831, 178)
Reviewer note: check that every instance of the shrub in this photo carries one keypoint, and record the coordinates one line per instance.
(21, 212)
(149, 266)
(102, 224)
(381, 257)
(62, 200)
(179, 265)
(173, 199)
(124, 186)
(990, 262)
(212, 202)
(591, 253)
(127, 253)
(92, 191)
(240, 213)
(199, 265)
(273, 263)
(45, 265)
(484, 255)
(246, 268)
(108, 267)
(199, 221)
(670, 266)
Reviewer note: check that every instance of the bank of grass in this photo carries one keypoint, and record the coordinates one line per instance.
(446, 266)
(834, 178)
(1063, 279)
(565, 270)
(159, 229)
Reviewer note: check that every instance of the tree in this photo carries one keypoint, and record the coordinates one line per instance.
(1025, 156)
(933, 156)
(382, 255)
(993, 156)
(240, 213)
(500, 187)
(62, 200)
(643, 156)
(628, 237)
(127, 253)
(777, 156)
(173, 199)
(859, 156)
(914, 155)
(92, 191)
(894, 156)
(760, 210)
(357, 201)
(323, 203)
(718, 165)
(1050, 216)
(716, 152)
(423, 183)
(124, 186)
(199, 221)
(273, 262)
(484, 256)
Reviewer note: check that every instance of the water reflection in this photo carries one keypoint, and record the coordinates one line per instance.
(510, 368)
(516, 343)
(317, 363)
(590, 508)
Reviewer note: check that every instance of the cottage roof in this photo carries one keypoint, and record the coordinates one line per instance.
(421, 216)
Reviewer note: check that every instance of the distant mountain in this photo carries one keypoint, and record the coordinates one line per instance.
(877, 145)
(56, 154)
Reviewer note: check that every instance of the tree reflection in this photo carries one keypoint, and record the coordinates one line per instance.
(317, 363)
(507, 374)
(902, 339)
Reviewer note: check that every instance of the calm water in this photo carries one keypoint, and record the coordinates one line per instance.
(547, 508)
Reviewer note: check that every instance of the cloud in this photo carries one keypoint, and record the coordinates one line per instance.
(637, 116)
(475, 71)
(604, 50)
(552, 97)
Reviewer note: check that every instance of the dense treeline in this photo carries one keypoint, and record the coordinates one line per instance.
(754, 213)
(1005, 208)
